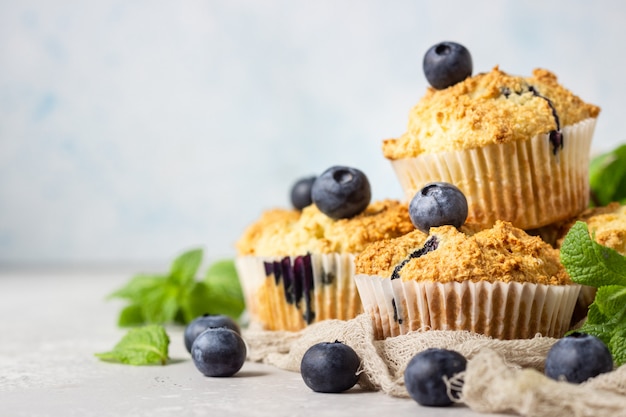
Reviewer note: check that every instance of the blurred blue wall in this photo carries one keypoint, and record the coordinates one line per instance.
(130, 131)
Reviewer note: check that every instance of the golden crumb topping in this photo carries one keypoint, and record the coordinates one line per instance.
(607, 225)
(289, 232)
(488, 108)
(501, 253)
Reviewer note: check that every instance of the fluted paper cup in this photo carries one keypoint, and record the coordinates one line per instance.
(291, 292)
(528, 183)
(501, 310)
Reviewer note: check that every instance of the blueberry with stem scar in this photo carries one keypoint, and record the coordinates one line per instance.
(341, 192)
(438, 204)
(446, 64)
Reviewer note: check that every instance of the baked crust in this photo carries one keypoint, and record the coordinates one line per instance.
(501, 253)
(488, 108)
(281, 232)
(607, 225)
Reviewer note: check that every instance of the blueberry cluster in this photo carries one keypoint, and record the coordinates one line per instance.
(218, 350)
(340, 192)
(301, 192)
(432, 377)
(216, 346)
(429, 375)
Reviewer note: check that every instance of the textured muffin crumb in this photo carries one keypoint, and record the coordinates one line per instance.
(607, 225)
(501, 253)
(289, 232)
(488, 108)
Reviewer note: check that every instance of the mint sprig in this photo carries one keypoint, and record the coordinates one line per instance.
(589, 263)
(607, 177)
(146, 345)
(178, 297)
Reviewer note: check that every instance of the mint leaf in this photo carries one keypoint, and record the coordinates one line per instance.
(185, 267)
(138, 286)
(617, 346)
(131, 315)
(224, 289)
(594, 316)
(141, 346)
(611, 300)
(195, 301)
(589, 263)
(161, 304)
(607, 177)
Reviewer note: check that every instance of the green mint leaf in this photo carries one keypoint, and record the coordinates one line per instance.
(141, 346)
(617, 346)
(131, 315)
(611, 301)
(194, 302)
(594, 316)
(224, 289)
(607, 176)
(138, 286)
(161, 304)
(185, 267)
(589, 263)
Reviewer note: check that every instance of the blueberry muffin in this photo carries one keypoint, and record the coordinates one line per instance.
(518, 147)
(499, 281)
(297, 267)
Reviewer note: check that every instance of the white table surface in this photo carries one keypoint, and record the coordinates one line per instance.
(53, 321)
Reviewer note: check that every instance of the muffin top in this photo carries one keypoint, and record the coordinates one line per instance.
(281, 232)
(485, 109)
(607, 225)
(501, 253)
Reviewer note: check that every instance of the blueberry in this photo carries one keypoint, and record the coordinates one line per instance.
(218, 351)
(341, 192)
(425, 372)
(438, 204)
(330, 367)
(578, 357)
(301, 193)
(201, 323)
(446, 64)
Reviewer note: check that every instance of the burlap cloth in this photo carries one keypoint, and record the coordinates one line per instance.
(502, 376)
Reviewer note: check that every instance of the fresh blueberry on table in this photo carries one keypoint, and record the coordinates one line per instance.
(438, 204)
(341, 192)
(201, 323)
(330, 367)
(425, 374)
(301, 192)
(446, 64)
(218, 351)
(578, 357)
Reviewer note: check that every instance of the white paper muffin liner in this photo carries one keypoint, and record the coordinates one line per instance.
(528, 183)
(501, 310)
(291, 292)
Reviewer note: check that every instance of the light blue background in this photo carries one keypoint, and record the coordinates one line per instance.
(133, 130)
